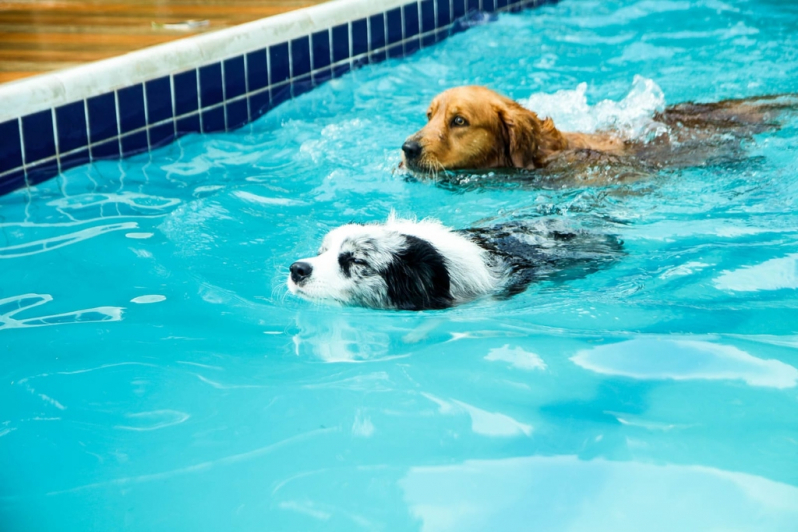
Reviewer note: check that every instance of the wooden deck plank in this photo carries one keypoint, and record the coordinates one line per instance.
(40, 36)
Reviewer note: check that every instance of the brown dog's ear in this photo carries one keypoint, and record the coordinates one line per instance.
(528, 140)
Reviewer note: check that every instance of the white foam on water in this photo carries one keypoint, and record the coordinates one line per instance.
(631, 118)
(143, 300)
(139, 236)
(517, 357)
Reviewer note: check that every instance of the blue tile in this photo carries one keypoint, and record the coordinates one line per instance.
(102, 117)
(189, 124)
(428, 40)
(134, 143)
(357, 63)
(377, 57)
(71, 124)
(38, 136)
(106, 150)
(300, 57)
(458, 9)
(501, 3)
(235, 83)
(213, 120)
(12, 181)
(360, 37)
(11, 147)
(412, 45)
(74, 159)
(161, 135)
(393, 19)
(444, 17)
(427, 15)
(321, 76)
(301, 86)
(340, 43)
(186, 99)
(321, 49)
(278, 63)
(211, 91)
(396, 51)
(340, 70)
(376, 32)
(159, 99)
(41, 172)
(237, 114)
(259, 104)
(411, 20)
(257, 72)
(489, 6)
(131, 108)
(472, 5)
(279, 95)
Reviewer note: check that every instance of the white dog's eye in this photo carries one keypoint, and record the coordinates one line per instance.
(359, 262)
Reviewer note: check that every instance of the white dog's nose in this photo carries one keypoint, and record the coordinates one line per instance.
(300, 271)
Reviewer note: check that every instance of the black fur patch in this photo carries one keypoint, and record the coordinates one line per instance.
(345, 262)
(417, 278)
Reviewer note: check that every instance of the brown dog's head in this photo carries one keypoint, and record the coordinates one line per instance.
(475, 128)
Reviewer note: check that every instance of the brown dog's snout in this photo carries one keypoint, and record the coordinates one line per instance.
(412, 149)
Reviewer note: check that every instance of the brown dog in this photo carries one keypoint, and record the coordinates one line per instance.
(474, 128)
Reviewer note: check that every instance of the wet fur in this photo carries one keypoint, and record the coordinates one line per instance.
(409, 265)
(502, 134)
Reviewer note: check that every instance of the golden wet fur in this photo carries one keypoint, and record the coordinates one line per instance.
(475, 128)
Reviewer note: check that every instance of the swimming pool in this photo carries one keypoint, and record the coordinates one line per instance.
(159, 377)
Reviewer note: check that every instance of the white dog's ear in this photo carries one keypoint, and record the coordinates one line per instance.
(417, 278)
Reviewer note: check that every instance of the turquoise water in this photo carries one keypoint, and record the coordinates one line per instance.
(156, 375)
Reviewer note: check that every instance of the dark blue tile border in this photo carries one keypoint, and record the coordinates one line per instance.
(210, 83)
(134, 143)
(235, 82)
(71, 125)
(38, 136)
(161, 135)
(159, 99)
(320, 42)
(131, 108)
(236, 114)
(360, 37)
(340, 43)
(257, 71)
(185, 92)
(11, 147)
(279, 69)
(222, 95)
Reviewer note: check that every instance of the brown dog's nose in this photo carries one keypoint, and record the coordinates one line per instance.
(412, 149)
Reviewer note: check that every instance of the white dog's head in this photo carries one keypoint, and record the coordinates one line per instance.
(401, 264)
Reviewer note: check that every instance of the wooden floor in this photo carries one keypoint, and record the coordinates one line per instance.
(40, 35)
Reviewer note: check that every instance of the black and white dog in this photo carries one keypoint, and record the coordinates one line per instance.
(419, 265)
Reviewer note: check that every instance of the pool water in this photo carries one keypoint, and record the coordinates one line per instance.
(156, 374)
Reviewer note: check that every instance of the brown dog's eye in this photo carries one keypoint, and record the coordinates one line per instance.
(459, 121)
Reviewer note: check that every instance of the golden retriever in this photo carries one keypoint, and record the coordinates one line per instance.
(475, 128)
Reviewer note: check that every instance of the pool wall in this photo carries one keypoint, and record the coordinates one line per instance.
(213, 82)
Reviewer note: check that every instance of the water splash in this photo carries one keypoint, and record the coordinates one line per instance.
(631, 118)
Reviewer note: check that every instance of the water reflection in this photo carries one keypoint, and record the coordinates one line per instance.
(337, 337)
(684, 359)
(566, 493)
